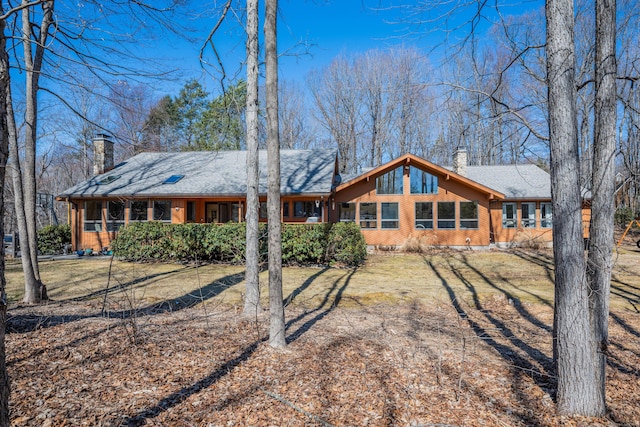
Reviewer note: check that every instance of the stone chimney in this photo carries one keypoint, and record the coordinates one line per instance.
(102, 154)
(460, 162)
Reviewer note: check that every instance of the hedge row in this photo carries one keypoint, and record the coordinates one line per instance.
(302, 244)
(53, 238)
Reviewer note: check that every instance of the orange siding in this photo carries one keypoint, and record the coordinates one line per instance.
(97, 240)
(448, 191)
(518, 234)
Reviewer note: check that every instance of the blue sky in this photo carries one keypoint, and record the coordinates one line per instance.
(331, 27)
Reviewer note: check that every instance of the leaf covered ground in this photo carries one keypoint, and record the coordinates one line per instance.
(481, 360)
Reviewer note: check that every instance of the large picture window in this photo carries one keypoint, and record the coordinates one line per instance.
(306, 209)
(115, 215)
(422, 182)
(390, 182)
(509, 215)
(528, 211)
(389, 215)
(162, 210)
(347, 212)
(468, 215)
(368, 215)
(424, 215)
(93, 216)
(446, 215)
(138, 210)
(546, 216)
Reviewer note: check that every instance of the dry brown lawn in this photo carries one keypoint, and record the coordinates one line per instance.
(447, 338)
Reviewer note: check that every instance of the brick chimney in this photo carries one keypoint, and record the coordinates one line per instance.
(460, 162)
(102, 154)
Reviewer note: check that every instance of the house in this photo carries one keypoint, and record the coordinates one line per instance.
(411, 198)
(191, 187)
(408, 198)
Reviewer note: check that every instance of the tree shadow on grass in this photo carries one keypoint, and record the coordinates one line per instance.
(123, 286)
(29, 322)
(513, 299)
(292, 296)
(626, 291)
(326, 306)
(539, 259)
(191, 299)
(537, 365)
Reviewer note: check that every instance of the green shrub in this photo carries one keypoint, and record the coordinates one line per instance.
(225, 242)
(53, 238)
(346, 244)
(302, 244)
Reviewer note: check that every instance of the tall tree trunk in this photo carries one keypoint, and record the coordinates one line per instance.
(252, 274)
(276, 307)
(33, 58)
(32, 294)
(603, 187)
(577, 389)
(4, 148)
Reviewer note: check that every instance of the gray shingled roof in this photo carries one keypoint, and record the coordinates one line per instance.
(208, 173)
(514, 181)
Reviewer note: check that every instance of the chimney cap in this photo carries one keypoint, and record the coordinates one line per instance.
(102, 136)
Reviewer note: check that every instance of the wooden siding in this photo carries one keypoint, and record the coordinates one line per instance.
(449, 190)
(96, 240)
(520, 234)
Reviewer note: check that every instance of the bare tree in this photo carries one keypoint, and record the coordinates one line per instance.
(575, 359)
(603, 187)
(252, 274)
(336, 99)
(293, 120)
(47, 42)
(276, 308)
(5, 389)
(34, 40)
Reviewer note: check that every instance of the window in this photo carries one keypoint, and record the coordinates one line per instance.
(191, 211)
(422, 182)
(93, 216)
(108, 179)
(528, 215)
(162, 210)
(424, 215)
(285, 210)
(138, 210)
(306, 209)
(446, 215)
(468, 215)
(509, 215)
(389, 215)
(546, 216)
(347, 212)
(263, 210)
(173, 179)
(368, 215)
(115, 215)
(390, 182)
